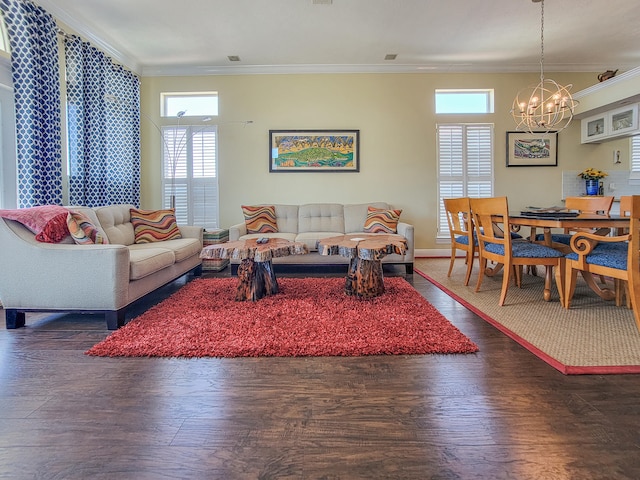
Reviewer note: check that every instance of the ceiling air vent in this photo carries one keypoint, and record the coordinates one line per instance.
(322, 2)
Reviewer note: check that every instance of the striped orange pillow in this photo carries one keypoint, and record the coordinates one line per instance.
(381, 221)
(83, 231)
(260, 219)
(154, 225)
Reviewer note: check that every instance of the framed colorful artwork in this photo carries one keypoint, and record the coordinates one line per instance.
(537, 149)
(314, 151)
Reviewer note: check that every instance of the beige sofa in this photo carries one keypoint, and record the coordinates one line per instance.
(67, 277)
(312, 222)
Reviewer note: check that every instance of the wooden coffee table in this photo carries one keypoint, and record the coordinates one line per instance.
(256, 278)
(364, 277)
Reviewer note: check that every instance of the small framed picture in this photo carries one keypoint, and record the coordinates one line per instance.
(532, 149)
(314, 151)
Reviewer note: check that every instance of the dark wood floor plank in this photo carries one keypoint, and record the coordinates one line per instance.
(500, 413)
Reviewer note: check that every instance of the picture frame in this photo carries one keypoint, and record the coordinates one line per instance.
(537, 149)
(314, 151)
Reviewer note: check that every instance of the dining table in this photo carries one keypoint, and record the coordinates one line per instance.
(571, 220)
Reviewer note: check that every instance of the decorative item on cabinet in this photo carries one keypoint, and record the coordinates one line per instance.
(618, 123)
(607, 75)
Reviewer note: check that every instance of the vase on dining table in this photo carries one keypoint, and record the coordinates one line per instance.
(592, 187)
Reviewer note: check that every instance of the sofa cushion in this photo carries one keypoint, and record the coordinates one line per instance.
(182, 248)
(116, 223)
(310, 239)
(83, 231)
(145, 261)
(154, 225)
(321, 217)
(287, 218)
(381, 221)
(260, 218)
(355, 215)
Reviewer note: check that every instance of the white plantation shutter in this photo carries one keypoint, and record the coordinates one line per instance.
(465, 165)
(190, 166)
(634, 161)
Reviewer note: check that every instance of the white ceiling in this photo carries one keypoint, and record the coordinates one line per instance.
(167, 37)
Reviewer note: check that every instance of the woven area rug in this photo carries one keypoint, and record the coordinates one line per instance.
(593, 337)
(309, 317)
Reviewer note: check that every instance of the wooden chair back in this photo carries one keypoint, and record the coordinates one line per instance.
(625, 210)
(626, 203)
(589, 205)
(633, 259)
(460, 223)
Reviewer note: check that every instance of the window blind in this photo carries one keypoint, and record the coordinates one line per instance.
(634, 160)
(190, 166)
(465, 165)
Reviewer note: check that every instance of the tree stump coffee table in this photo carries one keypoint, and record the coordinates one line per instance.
(364, 277)
(256, 278)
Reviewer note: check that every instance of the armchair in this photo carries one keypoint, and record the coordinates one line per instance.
(617, 257)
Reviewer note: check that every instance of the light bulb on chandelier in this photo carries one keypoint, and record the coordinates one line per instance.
(547, 106)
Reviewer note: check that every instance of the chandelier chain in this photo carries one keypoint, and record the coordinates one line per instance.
(542, 41)
(547, 106)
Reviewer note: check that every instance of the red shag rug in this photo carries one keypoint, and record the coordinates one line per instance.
(309, 317)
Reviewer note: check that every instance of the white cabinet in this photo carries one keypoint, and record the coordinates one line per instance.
(621, 122)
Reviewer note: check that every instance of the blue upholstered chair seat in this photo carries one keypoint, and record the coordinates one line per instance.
(564, 238)
(465, 240)
(623, 246)
(613, 258)
(525, 249)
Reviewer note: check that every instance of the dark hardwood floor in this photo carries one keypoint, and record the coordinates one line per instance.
(498, 414)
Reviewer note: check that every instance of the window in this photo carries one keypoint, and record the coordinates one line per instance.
(190, 166)
(191, 103)
(634, 158)
(465, 165)
(464, 101)
(4, 38)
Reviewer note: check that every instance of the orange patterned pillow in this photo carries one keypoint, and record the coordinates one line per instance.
(154, 225)
(83, 231)
(381, 221)
(260, 219)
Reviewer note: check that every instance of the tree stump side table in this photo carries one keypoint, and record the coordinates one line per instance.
(256, 278)
(365, 253)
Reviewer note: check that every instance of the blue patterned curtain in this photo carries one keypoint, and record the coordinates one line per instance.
(36, 83)
(103, 122)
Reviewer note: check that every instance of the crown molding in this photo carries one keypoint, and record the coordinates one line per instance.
(195, 70)
(623, 77)
(615, 92)
(81, 29)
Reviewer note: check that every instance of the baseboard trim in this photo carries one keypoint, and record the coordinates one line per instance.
(435, 253)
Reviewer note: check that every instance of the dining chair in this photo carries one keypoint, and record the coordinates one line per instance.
(625, 210)
(617, 257)
(621, 286)
(511, 254)
(460, 222)
(587, 205)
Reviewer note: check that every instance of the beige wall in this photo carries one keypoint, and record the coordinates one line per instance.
(395, 116)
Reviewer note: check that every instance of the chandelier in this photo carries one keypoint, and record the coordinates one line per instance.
(546, 106)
